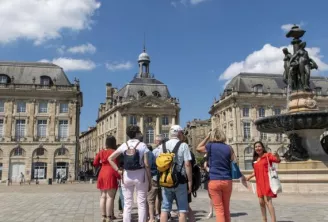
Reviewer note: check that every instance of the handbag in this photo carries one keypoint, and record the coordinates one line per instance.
(235, 171)
(96, 174)
(274, 181)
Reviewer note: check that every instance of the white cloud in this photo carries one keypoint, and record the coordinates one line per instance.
(195, 2)
(41, 20)
(287, 27)
(268, 60)
(85, 48)
(116, 66)
(69, 64)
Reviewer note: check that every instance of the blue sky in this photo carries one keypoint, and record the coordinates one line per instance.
(195, 46)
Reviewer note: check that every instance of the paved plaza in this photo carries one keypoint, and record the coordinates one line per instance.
(80, 202)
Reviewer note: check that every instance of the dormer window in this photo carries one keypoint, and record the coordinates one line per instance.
(142, 93)
(156, 94)
(4, 79)
(258, 88)
(318, 91)
(45, 80)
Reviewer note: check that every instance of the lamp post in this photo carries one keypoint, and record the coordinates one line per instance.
(37, 170)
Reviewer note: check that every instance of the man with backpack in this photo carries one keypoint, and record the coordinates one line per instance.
(175, 173)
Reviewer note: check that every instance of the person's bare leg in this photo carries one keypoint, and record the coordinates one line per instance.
(182, 217)
(151, 209)
(263, 209)
(103, 205)
(268, 202)
(110, 195)
(164, 216)
(191, 215)
(210, 214)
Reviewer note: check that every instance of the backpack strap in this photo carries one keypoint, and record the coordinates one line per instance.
(176, 148)
(136, 145)
(164, 147)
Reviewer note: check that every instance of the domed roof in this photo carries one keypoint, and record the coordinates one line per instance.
(144, 56)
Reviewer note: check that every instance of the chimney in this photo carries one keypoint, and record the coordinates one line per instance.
(108, 91)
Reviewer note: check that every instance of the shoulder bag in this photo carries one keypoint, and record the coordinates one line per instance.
(274, 181)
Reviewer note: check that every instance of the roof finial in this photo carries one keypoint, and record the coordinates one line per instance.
(144, 43)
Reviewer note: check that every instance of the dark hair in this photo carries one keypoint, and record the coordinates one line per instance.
(150, 148)
(111, 142)
(140, 137)
(255, 155)
(132, 131)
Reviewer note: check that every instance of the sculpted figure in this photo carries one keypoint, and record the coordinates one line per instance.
(287, 72)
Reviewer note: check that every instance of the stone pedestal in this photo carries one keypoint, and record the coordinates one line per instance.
(302, 101)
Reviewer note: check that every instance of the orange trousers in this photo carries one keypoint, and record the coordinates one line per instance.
(220, 192)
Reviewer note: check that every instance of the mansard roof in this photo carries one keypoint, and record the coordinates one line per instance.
(25, 72)
(273, 83)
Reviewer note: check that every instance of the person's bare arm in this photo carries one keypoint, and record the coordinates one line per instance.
(147, 167)
(111, 161)
(189, 175)
(249, 177)
(201, 146)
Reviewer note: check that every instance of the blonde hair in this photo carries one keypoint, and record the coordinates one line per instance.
(217, 135)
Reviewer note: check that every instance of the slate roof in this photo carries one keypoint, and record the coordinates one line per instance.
(23, 72)
(244, 82)
(148, 85)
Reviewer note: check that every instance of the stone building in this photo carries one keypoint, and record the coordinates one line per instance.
(196, 130)
(144, 101)
(250, 96)
(88, 148)
(39, 121)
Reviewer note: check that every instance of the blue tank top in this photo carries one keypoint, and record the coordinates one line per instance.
(219, 160)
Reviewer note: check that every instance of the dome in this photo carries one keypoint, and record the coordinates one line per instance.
(144, 56)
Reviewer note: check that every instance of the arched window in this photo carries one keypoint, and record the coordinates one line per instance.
(142, 93)
(18, 152)
(45, 81)
(149, 135)
(248, 158)
(258, 88)
(156, 94)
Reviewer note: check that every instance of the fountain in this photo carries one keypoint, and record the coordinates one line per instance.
(303, 123)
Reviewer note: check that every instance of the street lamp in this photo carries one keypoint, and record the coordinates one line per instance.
(37, 170)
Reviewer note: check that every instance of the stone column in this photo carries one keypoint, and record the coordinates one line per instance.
(52, 120)
(173, 120)
(8, 119)
(158, 131)
(124, 127)
(142, 124)
(234, 116)
(30, 120)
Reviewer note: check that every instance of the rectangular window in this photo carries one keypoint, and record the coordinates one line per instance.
(20, 129)
(246, 112)
(165, 120)
(277, 111)
(133, 120)
(43, 107)
(247, 130)
(1, 128)
(63, 108)
(2, 106)
(263, 136)
(279, 137)
(261, 112)
(21, 107)
(3, 79)
(63, 129)
(42, 128)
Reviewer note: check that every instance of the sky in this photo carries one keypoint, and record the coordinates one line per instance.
(196, 46)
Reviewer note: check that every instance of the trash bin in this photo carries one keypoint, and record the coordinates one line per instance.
(50, 181)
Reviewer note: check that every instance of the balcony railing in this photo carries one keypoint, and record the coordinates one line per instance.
(14, 86)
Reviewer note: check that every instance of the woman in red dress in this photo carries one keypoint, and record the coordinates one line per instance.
(107, 179)
(260, 165)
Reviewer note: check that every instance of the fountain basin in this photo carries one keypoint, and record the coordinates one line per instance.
(292, 121)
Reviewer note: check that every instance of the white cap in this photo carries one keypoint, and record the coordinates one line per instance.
(175, 129)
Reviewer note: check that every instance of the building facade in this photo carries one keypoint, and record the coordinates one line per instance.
(196, 130)
(88, 149)
(251, 96)
(144, 101)
(39, 121)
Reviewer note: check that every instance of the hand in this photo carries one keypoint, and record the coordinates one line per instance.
(248, 178)
(120, 172)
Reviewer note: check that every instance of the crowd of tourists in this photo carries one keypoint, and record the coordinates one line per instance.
(168, 174)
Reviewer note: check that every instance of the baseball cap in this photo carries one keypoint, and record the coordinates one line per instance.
(175, 129)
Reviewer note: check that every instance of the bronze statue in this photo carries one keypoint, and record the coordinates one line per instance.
(298, 68)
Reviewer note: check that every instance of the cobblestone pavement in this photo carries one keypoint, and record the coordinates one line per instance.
(79, 202)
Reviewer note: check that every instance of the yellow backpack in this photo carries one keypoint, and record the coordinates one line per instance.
(166, 165)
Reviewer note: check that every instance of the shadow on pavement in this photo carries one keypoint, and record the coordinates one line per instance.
(238, 214)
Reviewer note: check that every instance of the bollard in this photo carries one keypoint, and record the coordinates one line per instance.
(91, 181)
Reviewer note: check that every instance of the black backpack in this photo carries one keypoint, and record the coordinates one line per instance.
(132, 158)
(196, 175)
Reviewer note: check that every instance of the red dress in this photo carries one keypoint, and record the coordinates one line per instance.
(107, 178)
(261, 174)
